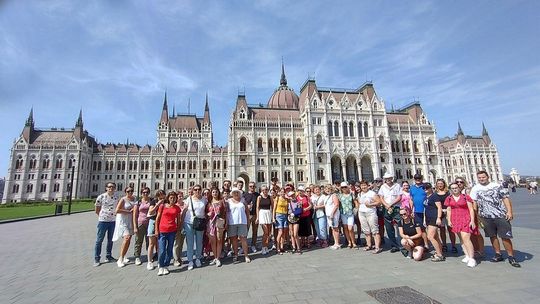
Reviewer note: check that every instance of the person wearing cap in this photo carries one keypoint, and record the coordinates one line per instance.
(331, 208)
(390, 194)
(418, 195)
(237, 222)
(432, 220)
(304, 230)
(347, 202)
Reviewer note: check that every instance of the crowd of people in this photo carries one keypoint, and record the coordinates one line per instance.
(215, 223)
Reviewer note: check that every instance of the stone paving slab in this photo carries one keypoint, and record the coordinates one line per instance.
(50, 261)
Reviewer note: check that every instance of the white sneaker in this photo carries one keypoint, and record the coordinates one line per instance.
(165, 271)
(213, 262)
(126, 260)
(160, 271)
(138, 261)
(335, 247)
(218, 263)
(150, 266)
(120, 264)
(253, 249)
(197, 263)
(177, 263)
(466, 259)
(273, 247)
(471, 263)
(229, 254)
(190, 266)
(264, 251)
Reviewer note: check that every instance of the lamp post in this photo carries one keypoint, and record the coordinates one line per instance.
(71, 186)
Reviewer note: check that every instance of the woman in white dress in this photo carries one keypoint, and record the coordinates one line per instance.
(124, 224)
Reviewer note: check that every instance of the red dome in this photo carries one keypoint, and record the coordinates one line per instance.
(283, 98)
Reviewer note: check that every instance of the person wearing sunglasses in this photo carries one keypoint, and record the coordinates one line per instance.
(433, 219)
(105, 207)
(460, 215)
(441, 190)
(476, 239)
(124, 224)
(411, 235)
(152, 236)
(250, 198)
(140, 223)
(195, 207)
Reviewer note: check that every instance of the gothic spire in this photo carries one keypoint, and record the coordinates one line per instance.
(165, 111)
(283, 80)
(484, 130)
(79, 120)
(459, 130)
(206, 118)
(30, 119)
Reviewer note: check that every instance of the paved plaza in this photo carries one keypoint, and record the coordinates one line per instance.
(50, 261)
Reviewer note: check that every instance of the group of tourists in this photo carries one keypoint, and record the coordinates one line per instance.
(214, 223)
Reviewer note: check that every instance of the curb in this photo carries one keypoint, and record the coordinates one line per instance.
(40, 217)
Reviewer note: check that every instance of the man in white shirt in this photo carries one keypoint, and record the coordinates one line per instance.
(105, 208)
(390, 194)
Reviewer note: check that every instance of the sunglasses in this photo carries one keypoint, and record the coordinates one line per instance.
(145, 192)
(129, 191)
(197, 189)
(111, 187)
(454, 188)
(403, 214)
(460, 182)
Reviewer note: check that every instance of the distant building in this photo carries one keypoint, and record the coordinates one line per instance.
(317, 136)
(514, 175)
(464, 155)
(2, 184)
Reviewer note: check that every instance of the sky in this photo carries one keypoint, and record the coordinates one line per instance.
(466, 61)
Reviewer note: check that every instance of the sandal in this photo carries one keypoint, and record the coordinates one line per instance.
(513, 262)
(437, 258)
(368, 248)
(497, 258)
(377, 250)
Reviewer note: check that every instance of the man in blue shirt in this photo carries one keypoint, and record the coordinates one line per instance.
(418, 195)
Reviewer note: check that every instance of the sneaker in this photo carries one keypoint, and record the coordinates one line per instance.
(190, 266)
(513, 262)
(120, 264)
(405, 252)
(109, 259)
(96, 263)
(394, 249)
(248, 260)
(497, 258)
(218, 263)
(177, 263)
(165, 271)
(126, 260)
(160, 271)
(198, 263)
(335, 247)
(213, 262)
(466, 259)
(150, 266)
(229, 254)
(273, 247)
(253, 249)
(437, 258)
(138, 261)
(471, 263)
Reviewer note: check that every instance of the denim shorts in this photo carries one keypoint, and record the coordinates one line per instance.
(347, 219)
(151, 227)
(281, 221)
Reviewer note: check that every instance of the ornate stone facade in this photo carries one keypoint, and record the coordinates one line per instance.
(319, 136)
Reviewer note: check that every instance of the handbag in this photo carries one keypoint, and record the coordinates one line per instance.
(199, 224)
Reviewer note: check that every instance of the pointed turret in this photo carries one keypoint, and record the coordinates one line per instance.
(283, 80)
(459, 130)
(165, 111)
(78, 132)
(206, 118)
(460, 134)
(29, 126)
(79, 120)
(485, 134)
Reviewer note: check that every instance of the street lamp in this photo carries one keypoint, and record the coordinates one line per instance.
(71, 186)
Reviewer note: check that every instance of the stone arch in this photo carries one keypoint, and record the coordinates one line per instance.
(244, 177)
(351, 169)
(337, 174)
(367, 169)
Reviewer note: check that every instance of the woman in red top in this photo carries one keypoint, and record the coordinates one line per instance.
(167, 222)
(305, 227)
(460, 215)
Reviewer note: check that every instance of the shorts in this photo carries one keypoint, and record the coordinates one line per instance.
(347, 219)
(281, 221)
(419, 218)
(497, 227)
(333, 222)
(369, 222)
(431, 221)
(237, 230)
(151, 227)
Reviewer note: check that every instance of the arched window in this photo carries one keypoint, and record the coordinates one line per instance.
(336, 128)
(298, 145)
(288, 145)
(330, 129)
(360, 133)
(158, 165)
(300, 175)
(184, 146)
(260, 145)
(415, 145)
(283, 147)
(276, 146)
(204, 164)
(345, 129)
(194, 146)
(243, 144)
(366, 131)
(351, 129)
(270, 147)
(429, 145)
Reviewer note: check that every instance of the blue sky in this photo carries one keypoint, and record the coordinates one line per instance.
(467, 61)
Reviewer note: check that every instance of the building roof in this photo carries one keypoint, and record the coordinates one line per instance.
(262, 113)
(185, 121)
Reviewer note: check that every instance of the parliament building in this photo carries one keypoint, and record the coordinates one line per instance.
(318, 136)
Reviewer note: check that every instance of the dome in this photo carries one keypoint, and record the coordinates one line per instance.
(283, 97)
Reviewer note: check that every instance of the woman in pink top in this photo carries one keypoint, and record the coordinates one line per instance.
(406, 200)
(140, 223)
(304, 230)
(216, 213)
(460, 215)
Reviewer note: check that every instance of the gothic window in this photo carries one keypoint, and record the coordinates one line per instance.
(288, 145)
(157, 165)
(351, 129)
(243, 144)
(298, 145)
(59, 163)
(242, 114)
(184, 146)
(300, 175)
(287, 176)
(19, 163)
(330, 129)
(276, 146)
(320, 174)
(336, 128)
(345, 129)
(260, 145)
(430, 145)
(29, 188)
(260, 177)
(15, 188)
(204, 164)
(360, 133)
(283, 147)
(56, 187)
(366, 131)
(415, 145)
